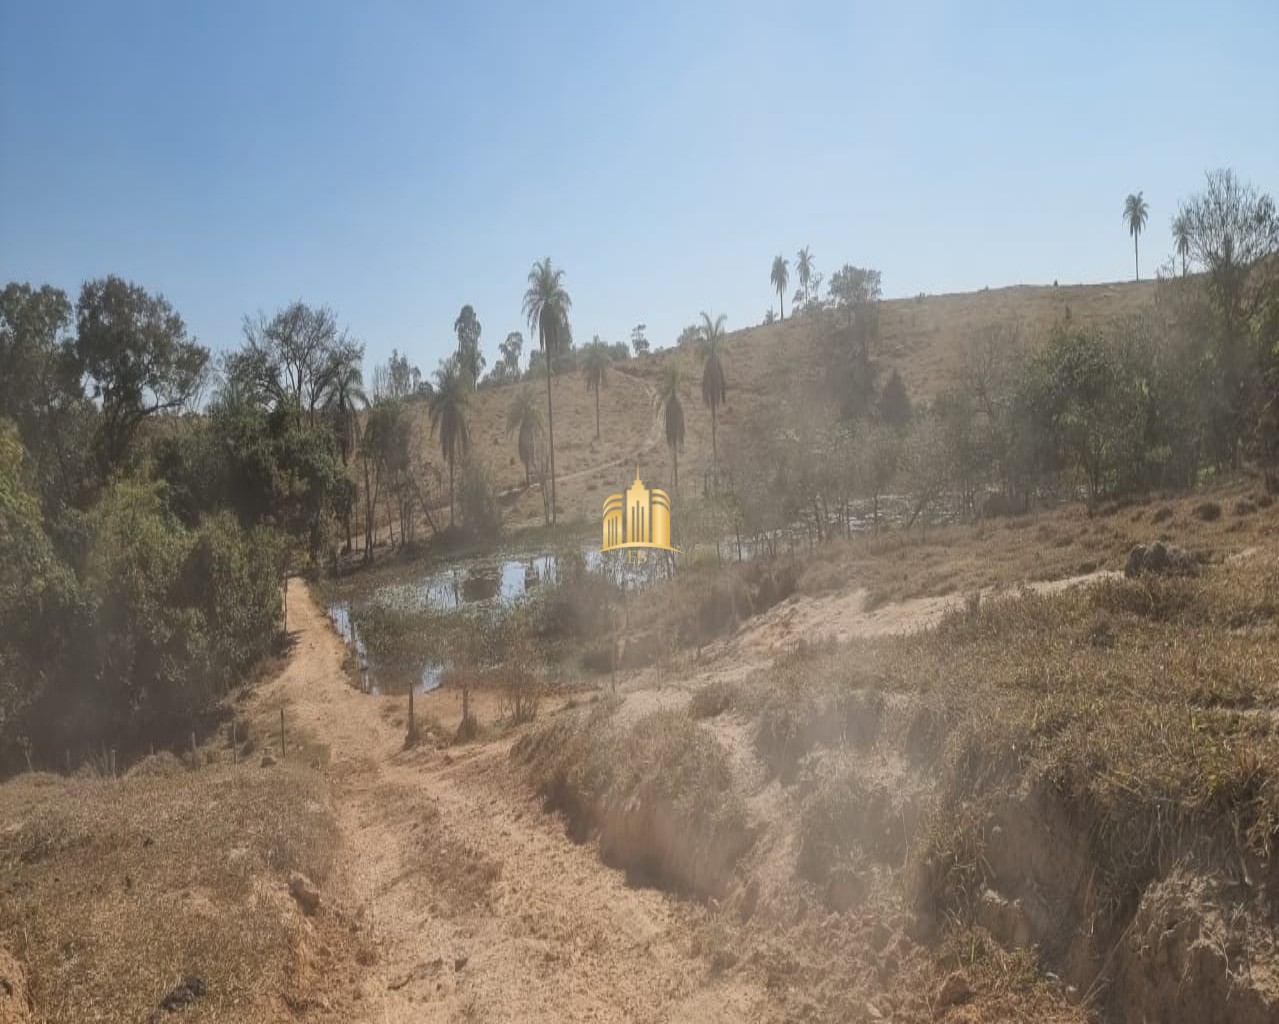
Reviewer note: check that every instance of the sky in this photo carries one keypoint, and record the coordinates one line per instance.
(395, 161)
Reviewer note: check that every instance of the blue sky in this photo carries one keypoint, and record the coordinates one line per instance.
(398, 160)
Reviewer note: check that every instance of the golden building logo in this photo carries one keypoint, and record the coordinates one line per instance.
(638, 521)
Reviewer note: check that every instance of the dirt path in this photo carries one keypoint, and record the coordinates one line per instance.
(480, 907)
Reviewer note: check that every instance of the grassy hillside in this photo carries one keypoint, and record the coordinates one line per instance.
(922, 338)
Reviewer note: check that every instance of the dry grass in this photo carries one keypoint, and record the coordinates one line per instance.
(1067, 751)
(1049, 545)
(115, 890)
(658, 792)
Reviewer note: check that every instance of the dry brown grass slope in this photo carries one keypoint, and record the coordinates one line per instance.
(922, 338)
(1069, 794)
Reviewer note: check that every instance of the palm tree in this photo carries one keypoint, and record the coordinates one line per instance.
(804, 267)
(668, 401)
(780, 278)
(467, 328)
(524, 419)
(1135, 211)
(595, 364)
(1181, 238)
(547, 304)
(714, 382)
(343, 396)
(448, 404)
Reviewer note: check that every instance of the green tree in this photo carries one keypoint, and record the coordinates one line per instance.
(134, 350)
(41, 392)
(448, 408)
(524, 420)
(595, 365)
(894, 403)
(547, 305)
(292, 355)
(39, 597)
(507, 368)
(1234, 237)
(638, 341)
(804, 267)
(343, 399)
(672, 408)
(780, 278)
(1181, 238)
(1135, 213)
(469, 357)
(714, 379)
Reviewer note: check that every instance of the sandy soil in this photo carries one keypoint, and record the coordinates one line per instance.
(480, 907)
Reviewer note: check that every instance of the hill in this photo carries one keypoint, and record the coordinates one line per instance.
(923, 338)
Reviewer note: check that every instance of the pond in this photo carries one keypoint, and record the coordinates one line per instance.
(502, 580)
(451, 587)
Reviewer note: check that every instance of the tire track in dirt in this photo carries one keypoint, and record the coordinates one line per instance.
(480, 907)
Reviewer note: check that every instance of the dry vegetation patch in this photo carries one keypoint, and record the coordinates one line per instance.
(658, 792)
(115, 891)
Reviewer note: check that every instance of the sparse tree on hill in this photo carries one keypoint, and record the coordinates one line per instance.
(512, 348)
(469, 357)
(1181, 238)
(894, 403)
(689, 335)
(547, 305)
(448, 406)
(804, 267)
(639, 343)
(780, 278)
(524, 420)
(1135, 213)
(714, 380)
(770, 317)
(669, 403)
(595, 364)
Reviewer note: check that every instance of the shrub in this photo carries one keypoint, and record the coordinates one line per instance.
(481, 514)
(1208, 511)
(712, 699)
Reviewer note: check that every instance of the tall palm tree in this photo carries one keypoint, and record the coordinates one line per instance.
(1135, 211)
(714, 381)
(668, 401)
(547, 305)
(341, 400)
(780, 277)
(1181, 238)
(524, 419)
(448, 406)
(467, 328)
(343, 397)
(804, 267)
(595, 364)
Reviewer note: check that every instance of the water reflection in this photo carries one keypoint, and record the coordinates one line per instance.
(442, 588)
(385, 678)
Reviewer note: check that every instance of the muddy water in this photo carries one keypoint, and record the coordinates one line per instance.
(453, 587)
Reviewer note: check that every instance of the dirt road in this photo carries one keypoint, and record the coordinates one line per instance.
(480, 907)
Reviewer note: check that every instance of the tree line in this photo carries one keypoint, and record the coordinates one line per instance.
(1185, 389)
